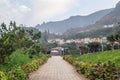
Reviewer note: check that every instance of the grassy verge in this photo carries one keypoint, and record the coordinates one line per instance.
(113, 56)
(97, 66)
(20, 65)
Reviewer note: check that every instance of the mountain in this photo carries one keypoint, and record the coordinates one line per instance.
(73, 22)
(108, 24)
(95, 33)
(111, 18)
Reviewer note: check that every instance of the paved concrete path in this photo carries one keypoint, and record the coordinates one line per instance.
(55, 69)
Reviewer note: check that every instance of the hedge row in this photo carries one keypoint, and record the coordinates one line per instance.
(21, 72)
(99, 71)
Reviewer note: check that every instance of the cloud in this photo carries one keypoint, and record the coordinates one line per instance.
(24, 8)
(44, 10)
(10, 11)
(32, 12)
(41, 10)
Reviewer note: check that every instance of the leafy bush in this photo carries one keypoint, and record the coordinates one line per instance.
(20, 65)
(31, 51)
(107, 71)
(34, 65)
(25, 45)
(98, 71)
(18, 74)
(17, 58)
(38, 56)
(21, 72)
(3, 76)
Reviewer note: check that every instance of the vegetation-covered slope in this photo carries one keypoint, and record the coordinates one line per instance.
(97, 66)
(106, 56)
(96, 32)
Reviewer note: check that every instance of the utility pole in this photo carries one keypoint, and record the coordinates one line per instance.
(102, 44)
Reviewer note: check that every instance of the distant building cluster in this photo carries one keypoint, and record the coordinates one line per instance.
(79, 41)
(109, 26)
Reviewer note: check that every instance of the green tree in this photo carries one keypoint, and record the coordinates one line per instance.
(117, 37)
(15, 38)
(37, 36)
(3, 28)
(84, 49)
(94, 46)
(111, 39)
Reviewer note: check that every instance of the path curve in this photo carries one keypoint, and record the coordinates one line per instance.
(55, 69)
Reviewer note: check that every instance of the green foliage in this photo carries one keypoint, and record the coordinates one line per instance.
(101, 57)
(14, 37)
(111, 38)
(52, 45)
(34, 65)
(37, 36)
(18, 58)
(95, 33)
(18, 74)
(97, 66)
(3, 76)
(21, 71)
(37, 47)
(94, 47)
(31, 51)
(114, 38)
(5, 50)
(84, 49)
(72, 48)
(96, 71)
(38, 56)
(18, 48)
(104, 71)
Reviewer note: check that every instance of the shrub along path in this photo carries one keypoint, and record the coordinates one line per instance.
(56, 69)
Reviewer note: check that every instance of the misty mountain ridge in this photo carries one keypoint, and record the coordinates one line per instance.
(111, 18)
(108, 24)
(73, 22)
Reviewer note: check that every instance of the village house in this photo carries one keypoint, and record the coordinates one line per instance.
(57, 51)
(58, 41)
(79, 41)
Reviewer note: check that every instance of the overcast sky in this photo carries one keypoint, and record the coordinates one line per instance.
(32, 12)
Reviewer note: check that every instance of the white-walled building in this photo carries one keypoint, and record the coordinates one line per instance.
(59, 41)
(79, 41)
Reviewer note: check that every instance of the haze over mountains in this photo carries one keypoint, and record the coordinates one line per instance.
(73, 22)
(112, 17)
(108, 24)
